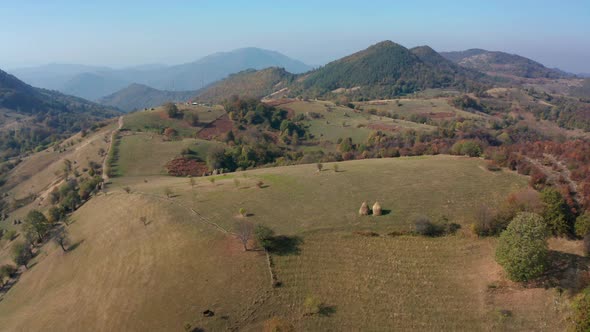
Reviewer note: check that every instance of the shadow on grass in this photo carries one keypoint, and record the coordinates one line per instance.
(385, 212)
(264, 186)
(75, 245)
(327, 310)
(283, 245)
(565, 271)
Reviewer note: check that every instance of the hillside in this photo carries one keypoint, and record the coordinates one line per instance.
(249, 83)
(190, 264)
(381, 71)
(97, 82)
(500, 63)
(34, 117)
(139, 96)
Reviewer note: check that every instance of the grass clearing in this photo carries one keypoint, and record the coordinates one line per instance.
(145, 154)
(169, 272)
(157, 120)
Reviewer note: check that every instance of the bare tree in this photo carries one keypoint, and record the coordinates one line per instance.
(244, 231)
(62, 238)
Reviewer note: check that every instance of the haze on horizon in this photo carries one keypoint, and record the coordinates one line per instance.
(131, 33)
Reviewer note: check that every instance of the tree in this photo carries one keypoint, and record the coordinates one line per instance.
(21, 254)
(67, 168)
(55, 214)
(244, 230)
(6, 271)
(522, 248)
(171, 110)
(35, 222)
(264, 236)
(336, 168)
(62, 238)
(168, 192)
(192, 119)
(556, 212)
(319, 166)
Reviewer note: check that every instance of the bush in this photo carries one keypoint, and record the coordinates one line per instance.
(488, 222)
(581, 308)
(522, 248)
(312, 305)
(586, 244)
(424, 226)
(264, 236)
(583, 224)
(366, 233)
(9, 235)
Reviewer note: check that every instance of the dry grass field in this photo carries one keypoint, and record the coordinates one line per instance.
(122, 274)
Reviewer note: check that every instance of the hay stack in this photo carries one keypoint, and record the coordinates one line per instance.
(364, 210)
(377, 209)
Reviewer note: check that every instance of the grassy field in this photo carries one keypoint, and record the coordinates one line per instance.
(157, 120)
(145, 154)
(450, 186)
(431, 108)
(341, 122)
(183, 262)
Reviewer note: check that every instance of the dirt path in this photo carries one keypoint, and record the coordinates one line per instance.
(105, 173)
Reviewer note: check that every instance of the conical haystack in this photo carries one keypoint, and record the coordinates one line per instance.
(364, 210)
(377, 209)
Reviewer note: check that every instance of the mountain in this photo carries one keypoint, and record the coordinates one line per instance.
(53, 76)
(31, 117)
(92, 86)
(502, 64)
(97, 82)
(139, 96)
(383, 70)
(248, 83)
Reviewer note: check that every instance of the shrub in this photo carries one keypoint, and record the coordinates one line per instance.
(522, 248)
(259, 183)
(581, 308)
(319, 166)
(9, 235)
(242, 212)
(586, 244)
(127, 189)
(583, 224)
(487, 222)
(264, 236)
(312, 305)
(424, 226)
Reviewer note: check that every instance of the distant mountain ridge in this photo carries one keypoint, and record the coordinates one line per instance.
(31, 117)
(501, 63)
(97, 82)
(139, 96)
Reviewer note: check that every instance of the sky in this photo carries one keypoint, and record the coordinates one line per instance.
(130, 32)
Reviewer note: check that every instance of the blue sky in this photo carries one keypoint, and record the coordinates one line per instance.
(127, 32)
